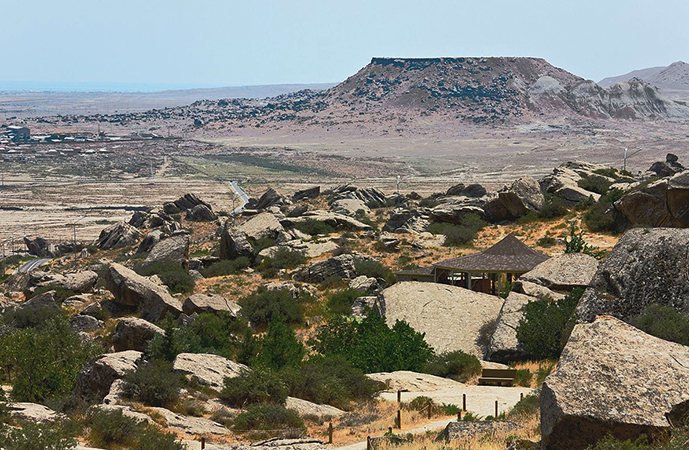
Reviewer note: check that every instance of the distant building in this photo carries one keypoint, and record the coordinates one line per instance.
(18, 134)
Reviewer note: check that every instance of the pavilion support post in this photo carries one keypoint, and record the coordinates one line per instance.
(468, 281)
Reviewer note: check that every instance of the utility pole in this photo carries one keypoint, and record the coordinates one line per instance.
(627, 155)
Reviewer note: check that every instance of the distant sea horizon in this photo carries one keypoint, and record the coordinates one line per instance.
(85, 87)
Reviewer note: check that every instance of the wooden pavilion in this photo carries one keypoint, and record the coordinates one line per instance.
(485, 271)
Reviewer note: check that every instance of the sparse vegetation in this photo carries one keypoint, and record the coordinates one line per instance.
(457, 365)
(170, 272)
(263, 305)
(459, 235)
(664, 322)
(268, 417)
(226, 267)
(314, 227)
(340, 302)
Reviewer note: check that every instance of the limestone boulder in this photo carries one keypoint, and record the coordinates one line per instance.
(95, 379)
(81, 282)
(83, 323)
(646, 266)
(563, 272)
(117, 236)
(207, 369)
(263, 225)
(341, 266)
(173, 249)
(333, 219)
(450, 316)
(349, 206)
(407, 221)
(364, 284)
(307, 193)
(234, 244)
(612, 379)
(209, 303)
(522, 196)
(32, 412)
(467, 430)
(304, 407)
(504, 346)
(130, 288)
(678, 199)
(132, 333)
(187, 201)
(191, 425)
(201, 213)
(149, 241)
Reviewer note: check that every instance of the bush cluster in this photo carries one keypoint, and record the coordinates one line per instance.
(595, 183)
(459, 235)
(112, 429)
(269, 417)
(664, 322)
(457, 365)
(372, 346)
(263, 305)
(546, 325)
(374, 269)
(314, 227)
(156, 383)
(259, 385)
(226, 267)
(340, 302)
(36, 436)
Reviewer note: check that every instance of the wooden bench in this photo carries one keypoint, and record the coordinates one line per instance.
(497, 377)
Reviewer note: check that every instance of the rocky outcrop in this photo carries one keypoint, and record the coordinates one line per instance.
(454, 210)
(366, 195)
(563, 272)
(132, 333)
(645, 267)
(364, 284)
(523, 196)
(402, 380)
(307, 193)
(191, 425)
(407, 221)
(269, 198)
(82, 323)
(467, 430)
(678, 199)
(39, 247)
(304, 407)
(184, 203)
(667, 168)
(155, 218)
(207, 369)
(201, 213)
(234, 244)
(263, 225)
(95, 379)
(335, 220)
(450, 316)
(173, 249)
(209, 303)
(612, 379)
(81, 282)
(564, 182)
(504, 346)
(32, 412)
(349, 206)
(341, 266)
(117, 236)
(646, 206)
(130, 288)
(149, 241)
(47, 300)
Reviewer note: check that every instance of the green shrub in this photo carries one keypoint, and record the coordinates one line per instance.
(332, 282)
(523, 378)
(612, 443)
(262, 244)
(576, 244)
(44, 361)
(152, 438)
(226, 267)
(528, 406)
(261, 306)
(595, 183)
(61, 294)
(545, 368)
(340, 302)
(459, 235)
(546, 325)
(331, 381)
(546, 242)
(285, 258)
(267, 417)
(664, 322)
(258, 385)
(375, 269)
(170, 272)
(553, 207)
(457, 365)
(370, 345)
(279, 347)
(314, 227)
(156, 383)
(110, 428)
(36, 437)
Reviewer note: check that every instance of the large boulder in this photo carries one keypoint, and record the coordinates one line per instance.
(504, 346)
(201, 213)
(45, 301)
(349, 206)
(647, 207)
(667, 168)
(264, 225)
(191, 425)
(117, 235)
(32, 412)
(450, 316)
(130, 288)
(407, 221)
(563, 272)
(175, 249)
(312, 192)
(207, 369)
(305, 407)
(234, 244)
(188, 201)
(612, 379)
(646, 266)
(209, 303)
(341, 266)
(454, 211)
(269, 198)
(95, 379)
(149, 241)
(468, 430)
(81, 282)
(522, 196)
(132, 333)
(367, 195)
(335, 220)
(39, 247)
(678, 199)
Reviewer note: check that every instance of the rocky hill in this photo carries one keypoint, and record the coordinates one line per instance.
(673, 80)
(413, 93)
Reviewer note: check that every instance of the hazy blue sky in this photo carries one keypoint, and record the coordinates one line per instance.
(170, 43)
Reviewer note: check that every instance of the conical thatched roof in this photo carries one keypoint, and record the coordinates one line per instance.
(508, 255)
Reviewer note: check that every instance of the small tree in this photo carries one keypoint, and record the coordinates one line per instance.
(280, 347)
(261, 306)
(258, 385)
(576, 244)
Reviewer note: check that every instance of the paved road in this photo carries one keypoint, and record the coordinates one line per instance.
(242, 195)
(31, 265)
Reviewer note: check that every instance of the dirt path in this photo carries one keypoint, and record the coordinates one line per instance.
(436, 425)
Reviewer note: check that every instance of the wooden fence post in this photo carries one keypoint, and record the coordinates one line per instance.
(203, 443)
(399, 419)
(496, 409)
(368, 442)
(521, 396)
(330, 433)
(464, 402)
(430, 404)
